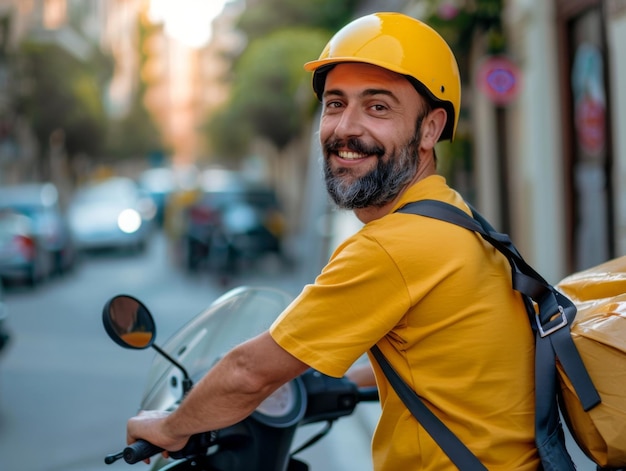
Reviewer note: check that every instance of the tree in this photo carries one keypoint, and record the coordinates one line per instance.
(271, 95)
(460, 22)
(136, 133)
(259, 20)
(271, 92)
(60, 95)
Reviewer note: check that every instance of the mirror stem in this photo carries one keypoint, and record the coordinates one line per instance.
(186, 383)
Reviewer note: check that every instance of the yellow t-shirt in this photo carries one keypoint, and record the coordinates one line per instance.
(438, 301)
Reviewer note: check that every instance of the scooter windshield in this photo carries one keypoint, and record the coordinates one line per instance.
(238, 315)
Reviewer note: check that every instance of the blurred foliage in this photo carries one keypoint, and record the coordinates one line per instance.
(459, 21)
(229, 134)
(260, 19)
(136, 133)
(271, 96)
(61, 95)
(133, 135)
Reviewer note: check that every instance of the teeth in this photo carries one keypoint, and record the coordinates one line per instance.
(350, 155)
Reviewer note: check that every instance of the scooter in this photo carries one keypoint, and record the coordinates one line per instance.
(264, 440)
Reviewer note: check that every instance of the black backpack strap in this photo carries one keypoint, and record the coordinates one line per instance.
(555, 311)
(458, 453)
(551, 322)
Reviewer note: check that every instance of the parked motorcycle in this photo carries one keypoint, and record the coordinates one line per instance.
(263, 441)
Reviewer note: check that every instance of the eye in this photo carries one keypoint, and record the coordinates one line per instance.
(332, 105)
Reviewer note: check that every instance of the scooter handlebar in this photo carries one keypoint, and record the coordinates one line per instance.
(369, 394)
(139, 451)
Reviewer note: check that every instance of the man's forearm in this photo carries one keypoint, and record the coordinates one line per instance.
(234, 387)
(222, 398)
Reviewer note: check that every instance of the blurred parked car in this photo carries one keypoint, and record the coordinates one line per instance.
(230, 220)
(23, 255)
(40, 203)
(111, 214)
(4, 332)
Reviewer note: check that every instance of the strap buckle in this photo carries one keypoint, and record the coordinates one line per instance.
(563, 323)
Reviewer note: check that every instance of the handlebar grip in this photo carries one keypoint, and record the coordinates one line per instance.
(139, 451)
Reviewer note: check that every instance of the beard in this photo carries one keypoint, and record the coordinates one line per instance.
(380, 185)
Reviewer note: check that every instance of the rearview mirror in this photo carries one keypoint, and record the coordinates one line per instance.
(128, 322)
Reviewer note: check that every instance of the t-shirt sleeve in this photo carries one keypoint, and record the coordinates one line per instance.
(357, 299)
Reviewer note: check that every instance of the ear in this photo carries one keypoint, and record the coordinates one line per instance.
(432, 127)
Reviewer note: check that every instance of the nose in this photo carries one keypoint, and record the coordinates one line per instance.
(349, 123)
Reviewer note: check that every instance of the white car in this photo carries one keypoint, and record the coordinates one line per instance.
(111, 214)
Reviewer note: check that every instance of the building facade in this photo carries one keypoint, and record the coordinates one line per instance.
(565, 158)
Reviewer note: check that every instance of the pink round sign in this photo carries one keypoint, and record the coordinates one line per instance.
(499, 79)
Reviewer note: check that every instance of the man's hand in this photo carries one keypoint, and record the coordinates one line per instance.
(151, 426)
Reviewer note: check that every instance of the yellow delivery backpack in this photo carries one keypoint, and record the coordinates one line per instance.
(599, 333)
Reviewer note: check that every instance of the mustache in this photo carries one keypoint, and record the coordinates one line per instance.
(355, 145)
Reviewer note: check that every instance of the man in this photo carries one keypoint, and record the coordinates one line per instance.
(434, 297)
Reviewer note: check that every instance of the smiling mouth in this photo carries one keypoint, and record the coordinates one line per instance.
(349, 155)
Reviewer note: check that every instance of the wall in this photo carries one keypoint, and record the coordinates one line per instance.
(534, 139)
(616, 36)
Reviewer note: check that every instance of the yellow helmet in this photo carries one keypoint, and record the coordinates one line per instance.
(403, 45)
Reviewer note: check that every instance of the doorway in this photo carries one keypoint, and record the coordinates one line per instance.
(587, 158)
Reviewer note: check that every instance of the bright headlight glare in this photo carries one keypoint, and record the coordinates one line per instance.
(129, 221)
